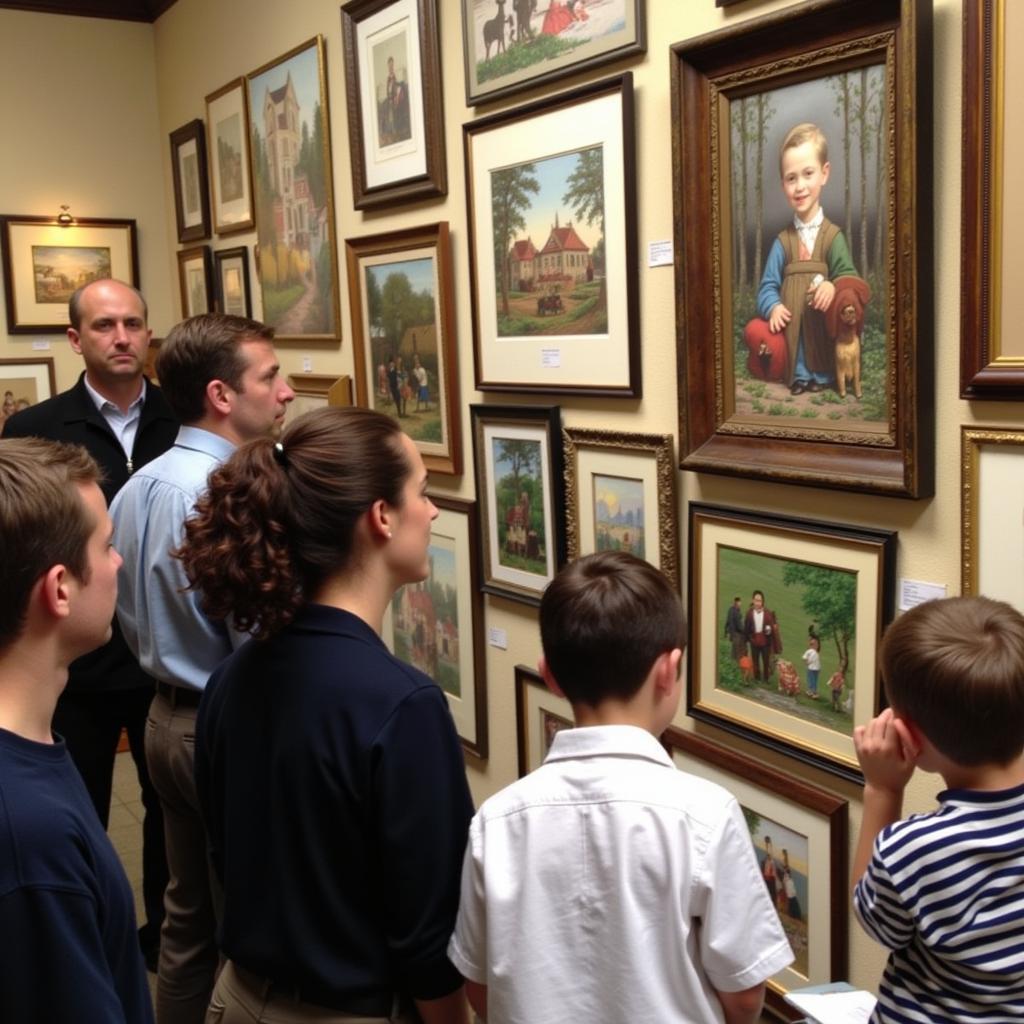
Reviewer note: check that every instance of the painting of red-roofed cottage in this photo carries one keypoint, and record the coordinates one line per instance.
(548, 218)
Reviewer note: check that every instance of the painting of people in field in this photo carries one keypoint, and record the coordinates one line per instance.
(618, 514)
(292, 187)
(810, 297)
(786, 632)
(519, 501)
(58, 270)
(549, 246)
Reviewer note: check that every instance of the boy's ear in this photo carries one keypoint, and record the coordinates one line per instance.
(549, 680)
(666, 669)
(908, 728)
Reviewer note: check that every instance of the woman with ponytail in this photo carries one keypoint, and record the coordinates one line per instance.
(330, 774)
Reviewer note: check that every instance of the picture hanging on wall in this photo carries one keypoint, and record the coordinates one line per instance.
(540, 716)
(296, 262)
(227, 126)
(44, 261)
(191, 189)
(805, 353)
(404, 339)
(395, 105)
(195, 281)
(24, 383)
(231, 279)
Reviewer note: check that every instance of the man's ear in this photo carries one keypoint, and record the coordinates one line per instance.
(75, 339)
(218, 397)
(54, 590)
(549, 680)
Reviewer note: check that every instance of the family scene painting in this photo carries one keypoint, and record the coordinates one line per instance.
(58, 270)
(401, 303)
(519, 501)
(618, 514)
(809, 166)
(549, 247)
(425, 619)
(786, 632)
(291, 176)
(18, 393)
(782, 856)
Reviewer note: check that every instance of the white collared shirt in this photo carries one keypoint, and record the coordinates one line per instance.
(125, 425)
(808, 231)
(609, 886)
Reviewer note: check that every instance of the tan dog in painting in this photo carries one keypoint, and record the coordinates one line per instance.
(845, 322)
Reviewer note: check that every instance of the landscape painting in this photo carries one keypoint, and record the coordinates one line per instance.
(58, 270)
(290, 144)
(518, 501)
(619, 514)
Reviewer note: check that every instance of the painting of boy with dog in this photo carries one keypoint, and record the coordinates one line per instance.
(787, 607)
(810, 287)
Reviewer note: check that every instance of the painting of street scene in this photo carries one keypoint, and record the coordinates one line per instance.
(401, 304)
(58, 270)
(425, 620)
(782, 856)
(549, 246)
(292, 183)
(618, 514)
(390, 56)
(786, 636)
(519, 501)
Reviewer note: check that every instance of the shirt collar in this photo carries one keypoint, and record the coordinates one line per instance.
(607, 740)
(105, 405)
(204, 441)
(808, 225)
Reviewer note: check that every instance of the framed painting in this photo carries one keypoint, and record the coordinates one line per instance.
(512, 45)
(517, 452)
(23, 383)
(551, 195)
(783, 645)
(195, 281)
(804, 314)
(404, 338)
(799, 834)
(992, 461)
(395, 104)
(318, 391)
(191, 191)
(44, 261)
(620, 495)
(231, 281)
(437, 625)
(227, 127)
(540, 715)
(290, 134)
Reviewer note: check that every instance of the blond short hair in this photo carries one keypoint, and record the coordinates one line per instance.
(806, 131)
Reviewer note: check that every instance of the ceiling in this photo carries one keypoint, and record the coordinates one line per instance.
(123, 10)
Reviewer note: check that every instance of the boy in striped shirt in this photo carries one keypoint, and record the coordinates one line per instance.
(944, 891)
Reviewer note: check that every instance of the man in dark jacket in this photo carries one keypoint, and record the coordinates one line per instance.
(763, 634)
(124, 422)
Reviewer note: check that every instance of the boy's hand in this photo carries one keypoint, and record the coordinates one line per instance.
(886, 752)
(821, 297)
(778, 318)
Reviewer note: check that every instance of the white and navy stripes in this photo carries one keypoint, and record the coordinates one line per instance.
(945, 893)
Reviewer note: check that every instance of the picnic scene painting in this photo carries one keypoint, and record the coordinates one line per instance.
(58, 270)
(519, 501)
(786, 636)
(618, 514)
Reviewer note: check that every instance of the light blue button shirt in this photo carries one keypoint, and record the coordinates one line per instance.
(162, 622)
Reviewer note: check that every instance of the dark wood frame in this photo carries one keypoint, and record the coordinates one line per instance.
(984, 373)
(632, 386)
(396, 242)
(434, 179)
(184, 256)
(880, 545)
(527, 677)
(830, 807)
(46, 361)
(195, 132)
(548, 419)
(803, 43)
(8, 257)
(240, 252)
(246, 223)
(636, 48)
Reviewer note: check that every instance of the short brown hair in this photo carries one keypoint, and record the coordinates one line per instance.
(200, 349)
(806, 131)
(75, 302)
(956, 668)
(43, 521)
(604, 621)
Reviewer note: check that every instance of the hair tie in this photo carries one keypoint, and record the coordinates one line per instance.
(279, 454)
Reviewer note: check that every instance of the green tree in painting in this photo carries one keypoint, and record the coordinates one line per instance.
(264, 192)
(830, 598)
(585, 194)
(396, 299)
(510, 198)
(311, 158)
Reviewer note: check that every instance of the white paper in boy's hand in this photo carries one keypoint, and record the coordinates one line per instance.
(834, 1007)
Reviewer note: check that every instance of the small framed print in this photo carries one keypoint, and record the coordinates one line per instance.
(799, 834)
(403, 333)
(517, 452)
(540, 716)
(620, 495)
(395, 106)
(231, 280)
(191, 191)
(24, 383)
(437, 625)
(194, 280)
(227, 126)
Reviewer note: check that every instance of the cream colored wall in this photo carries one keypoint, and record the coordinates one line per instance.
(199, 46)
(80, 126)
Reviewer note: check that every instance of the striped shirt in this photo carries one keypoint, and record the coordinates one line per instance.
(945, 893)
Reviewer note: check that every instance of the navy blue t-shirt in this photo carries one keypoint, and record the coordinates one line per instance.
(68, 945)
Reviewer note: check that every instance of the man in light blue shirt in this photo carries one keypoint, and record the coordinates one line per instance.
(222, 379)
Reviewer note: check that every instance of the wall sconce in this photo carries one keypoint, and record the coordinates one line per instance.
(64, 219)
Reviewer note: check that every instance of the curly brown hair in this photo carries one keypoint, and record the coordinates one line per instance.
(278, 520)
